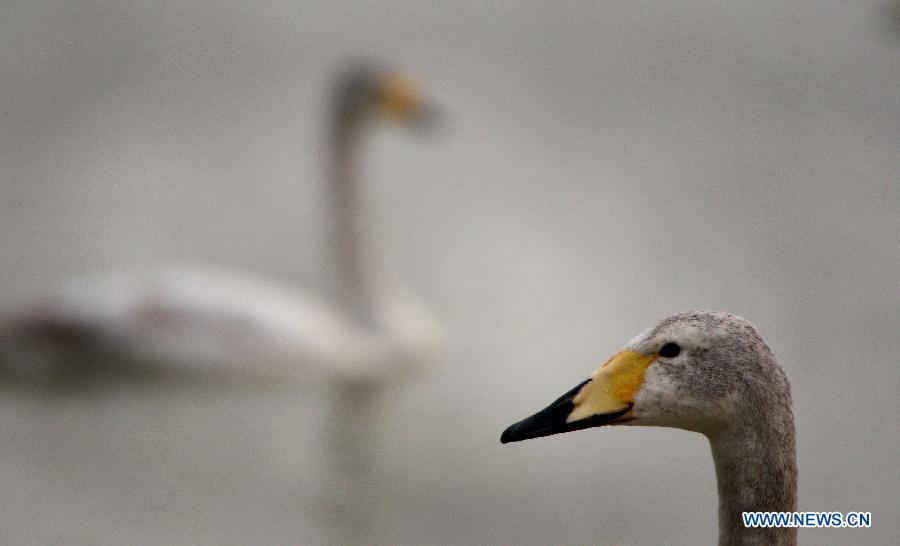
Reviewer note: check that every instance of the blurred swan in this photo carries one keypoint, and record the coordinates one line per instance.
(219, 325)
(207, 324)
(707, 372)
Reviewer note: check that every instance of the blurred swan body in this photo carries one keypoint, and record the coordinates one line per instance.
(217, 325)
(708, 372)
(209, 323)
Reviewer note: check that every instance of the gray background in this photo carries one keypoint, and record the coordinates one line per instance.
(607, 164)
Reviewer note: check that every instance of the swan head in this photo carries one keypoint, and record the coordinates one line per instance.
(367, 90)
(703, 371)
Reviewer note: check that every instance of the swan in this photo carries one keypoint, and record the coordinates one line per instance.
(219, 325)
(207, 324)
(708, 372)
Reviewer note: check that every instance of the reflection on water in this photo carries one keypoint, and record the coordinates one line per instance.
(163, 466)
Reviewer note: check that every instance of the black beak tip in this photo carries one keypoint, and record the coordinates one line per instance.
(554, 420)
(551, 420)
(508, 435)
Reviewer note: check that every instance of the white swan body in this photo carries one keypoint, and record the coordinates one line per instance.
(214, 323)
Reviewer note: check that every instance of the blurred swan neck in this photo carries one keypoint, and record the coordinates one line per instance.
(357, 275)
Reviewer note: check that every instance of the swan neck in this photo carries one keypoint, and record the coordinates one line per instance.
(756, 471)
(356, 273)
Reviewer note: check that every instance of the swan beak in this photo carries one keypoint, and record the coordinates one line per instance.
(605, 398)
(399, 97)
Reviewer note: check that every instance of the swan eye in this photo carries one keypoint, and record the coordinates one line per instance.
(669, 350)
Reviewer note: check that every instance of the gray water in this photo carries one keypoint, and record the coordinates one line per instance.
(606, 165)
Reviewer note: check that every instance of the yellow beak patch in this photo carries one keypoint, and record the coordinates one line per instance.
(612, 387)
(398, 96)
